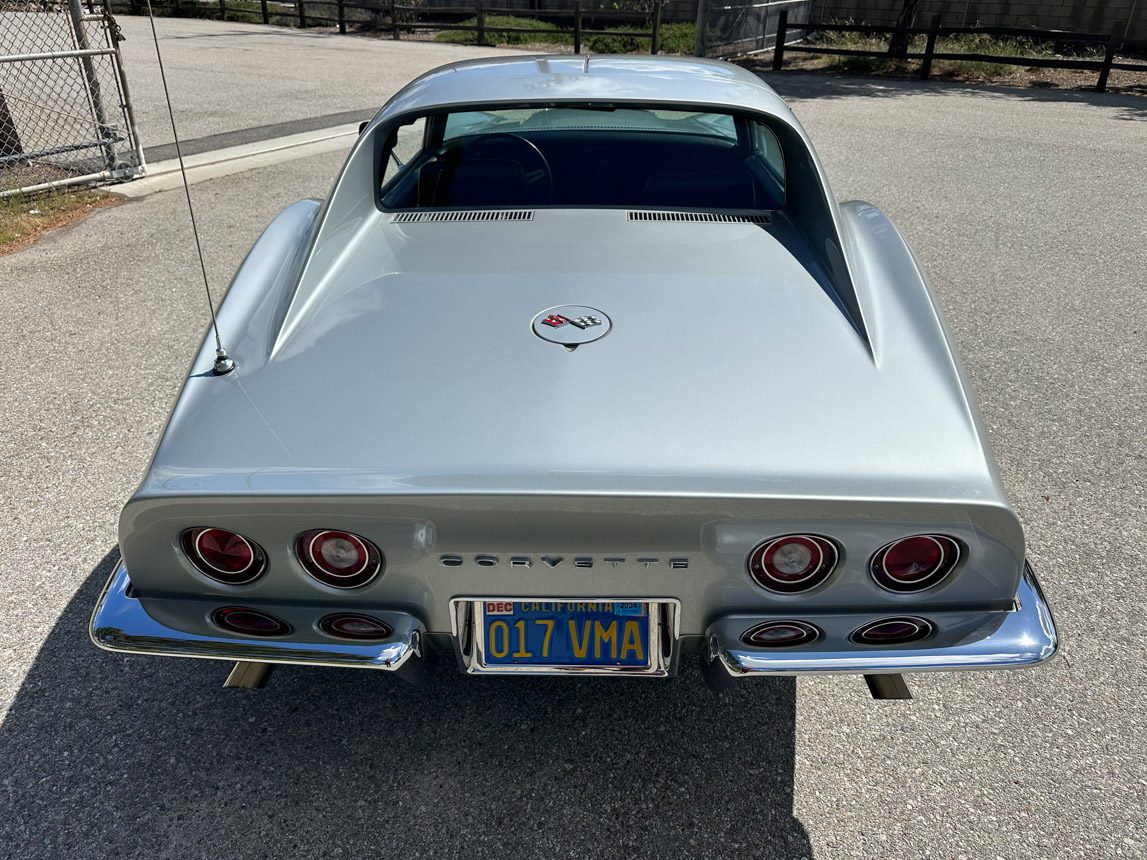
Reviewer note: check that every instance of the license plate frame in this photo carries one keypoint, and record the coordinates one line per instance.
(468, 623)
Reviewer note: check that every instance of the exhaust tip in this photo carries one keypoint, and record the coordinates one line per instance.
(893, 631)
(781, 634)
(348, 625)
(249, 622)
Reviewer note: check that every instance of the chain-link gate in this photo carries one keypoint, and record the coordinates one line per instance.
(732, 28)
(65, 116)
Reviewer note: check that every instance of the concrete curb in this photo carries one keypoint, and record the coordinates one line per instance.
(164, 175)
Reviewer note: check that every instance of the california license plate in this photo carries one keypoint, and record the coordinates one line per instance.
(544, 633)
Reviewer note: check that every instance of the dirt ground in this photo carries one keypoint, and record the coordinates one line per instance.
(24, 220)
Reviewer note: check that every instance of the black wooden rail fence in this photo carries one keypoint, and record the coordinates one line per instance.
(1110, 43)
(390, 16)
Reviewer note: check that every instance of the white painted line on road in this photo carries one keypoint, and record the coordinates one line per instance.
(164, 175)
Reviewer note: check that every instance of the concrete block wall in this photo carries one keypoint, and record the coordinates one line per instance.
(1090, 16)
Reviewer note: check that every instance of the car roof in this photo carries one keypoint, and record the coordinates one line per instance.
(589, 78)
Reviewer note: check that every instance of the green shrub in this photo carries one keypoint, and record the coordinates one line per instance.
(678, 38)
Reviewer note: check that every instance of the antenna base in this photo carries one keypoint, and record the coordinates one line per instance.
(223, 363)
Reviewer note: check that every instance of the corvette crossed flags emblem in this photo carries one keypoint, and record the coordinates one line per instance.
(557, 321)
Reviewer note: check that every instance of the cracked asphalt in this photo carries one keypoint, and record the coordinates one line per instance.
(1027, 208)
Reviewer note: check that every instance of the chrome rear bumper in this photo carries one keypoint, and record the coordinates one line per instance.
(1022, 636)
(120, 623)
(1025, 635)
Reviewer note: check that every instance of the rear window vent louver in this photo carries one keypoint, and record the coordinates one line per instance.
(468, 215)
(719, 217)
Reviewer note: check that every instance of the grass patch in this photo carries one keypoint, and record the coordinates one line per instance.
(675, 38)
(979, 43)
(23, 219)
(858, 42)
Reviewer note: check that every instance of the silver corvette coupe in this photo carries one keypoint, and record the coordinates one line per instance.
(579, 369)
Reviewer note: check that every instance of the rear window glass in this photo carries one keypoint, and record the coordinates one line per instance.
(582, 119)
(583, 157)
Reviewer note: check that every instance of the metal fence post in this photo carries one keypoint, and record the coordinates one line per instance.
(302, 14)
(124, 92)
(654, 39)
(222, 10)
(76, 11)
(394, 20)
(933, 32)
(342, 18)
(1108, 59)
(263, 9)
(480, 14)
(577, 27)
(779, 50)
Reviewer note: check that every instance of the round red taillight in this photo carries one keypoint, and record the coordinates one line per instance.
(338, 558)
(222, 555)
(346, 625)
(793, 562)
(893, 631)
(914, 563)
(249, 622)
(780, 634)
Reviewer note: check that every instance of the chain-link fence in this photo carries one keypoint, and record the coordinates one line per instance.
(65, 116)
(732, 28)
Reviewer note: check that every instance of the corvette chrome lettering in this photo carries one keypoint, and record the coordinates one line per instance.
(553, 561)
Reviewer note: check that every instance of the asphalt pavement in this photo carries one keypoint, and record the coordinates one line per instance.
(234, 83)
(1026, 208)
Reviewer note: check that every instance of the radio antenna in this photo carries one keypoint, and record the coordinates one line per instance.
(223, 362)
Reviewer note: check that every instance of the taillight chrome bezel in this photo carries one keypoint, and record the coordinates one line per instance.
(819, 570)
(811, 633)
(190, 541)
(219, 619)
(308, 552)
(950, 554)
(924, 629)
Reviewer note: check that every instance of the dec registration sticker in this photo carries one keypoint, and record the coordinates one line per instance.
(565, 633)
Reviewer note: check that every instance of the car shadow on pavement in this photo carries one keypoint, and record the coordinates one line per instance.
(110, 755)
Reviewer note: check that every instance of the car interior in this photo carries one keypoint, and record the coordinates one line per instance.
(598, 167)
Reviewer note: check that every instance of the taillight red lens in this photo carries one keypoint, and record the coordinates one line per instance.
(781, 634)
(346, 625)
(915, 563)
(338, 558)
(249, 622)
(793, 562)
(223, 555)
(893, 631)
